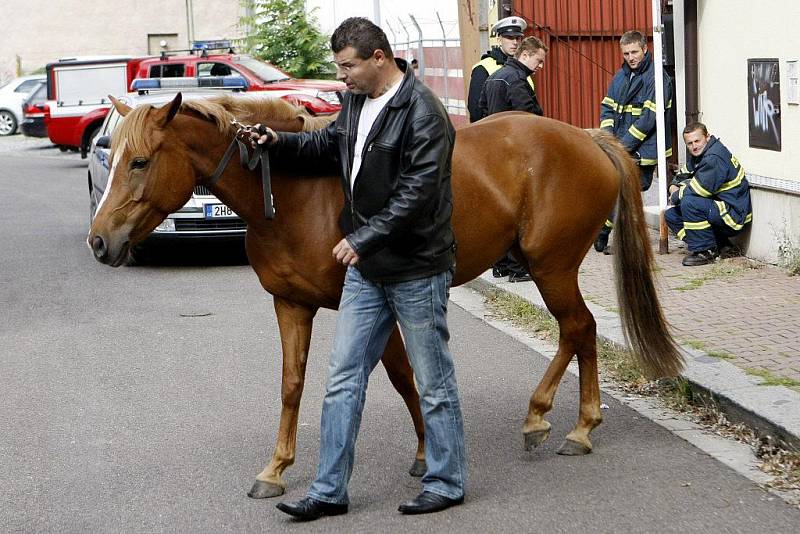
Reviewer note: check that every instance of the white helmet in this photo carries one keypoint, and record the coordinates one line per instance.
(509, 27)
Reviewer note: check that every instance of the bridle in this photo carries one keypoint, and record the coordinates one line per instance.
(249, 162)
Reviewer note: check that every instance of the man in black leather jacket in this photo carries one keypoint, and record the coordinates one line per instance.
(393, 142)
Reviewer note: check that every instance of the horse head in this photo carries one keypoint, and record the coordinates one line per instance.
(150, 178)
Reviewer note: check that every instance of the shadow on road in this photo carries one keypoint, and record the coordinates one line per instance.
(189, 254)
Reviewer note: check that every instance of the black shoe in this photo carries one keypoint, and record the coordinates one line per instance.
(601, 243)
(702, 257)
(427, 502)
(500, 272)
(729, 251)
(519, 277)
(309, 509)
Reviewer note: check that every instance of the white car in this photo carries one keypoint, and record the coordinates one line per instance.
(12, 95)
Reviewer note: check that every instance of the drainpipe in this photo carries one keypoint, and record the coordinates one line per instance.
(690, 57)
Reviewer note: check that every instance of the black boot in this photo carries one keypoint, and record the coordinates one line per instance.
(700, 257)
(309, 509)
(601, 243)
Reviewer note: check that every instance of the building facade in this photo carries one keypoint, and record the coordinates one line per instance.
(41, 31)
(748, 97)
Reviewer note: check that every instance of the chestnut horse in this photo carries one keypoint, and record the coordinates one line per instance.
(544, 193)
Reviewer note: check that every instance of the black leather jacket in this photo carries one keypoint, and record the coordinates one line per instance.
(508, 89)
(397, 217)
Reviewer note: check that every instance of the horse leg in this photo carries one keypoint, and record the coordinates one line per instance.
(401, 375)
(294, 322)
(576, 336)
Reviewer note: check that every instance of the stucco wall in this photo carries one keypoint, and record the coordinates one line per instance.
(729, 33)
(45, 30)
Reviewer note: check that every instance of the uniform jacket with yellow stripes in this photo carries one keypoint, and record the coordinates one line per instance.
(629, 110)
(490, 63)
(717, 175)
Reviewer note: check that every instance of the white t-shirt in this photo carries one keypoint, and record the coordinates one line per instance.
(372, 108)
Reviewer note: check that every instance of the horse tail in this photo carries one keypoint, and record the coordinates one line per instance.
(643, 322)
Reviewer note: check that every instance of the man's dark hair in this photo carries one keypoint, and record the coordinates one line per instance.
(363, 35)
(694, 126)
(631, 37)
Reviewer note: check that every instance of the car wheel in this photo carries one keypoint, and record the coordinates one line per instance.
(87, 144)
(8, 123)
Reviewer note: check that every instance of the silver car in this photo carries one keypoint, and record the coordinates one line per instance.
(203, 217)
(12, 95)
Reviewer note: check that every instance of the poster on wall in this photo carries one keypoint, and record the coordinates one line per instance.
(764, 103)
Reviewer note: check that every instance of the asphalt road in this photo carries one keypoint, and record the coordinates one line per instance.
(146, 399)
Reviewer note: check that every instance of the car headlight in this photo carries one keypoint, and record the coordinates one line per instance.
(331, 97)
(167, 226)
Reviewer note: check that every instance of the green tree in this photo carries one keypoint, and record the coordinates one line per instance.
(281, 32)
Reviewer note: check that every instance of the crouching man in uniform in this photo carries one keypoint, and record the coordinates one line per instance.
(712, 202)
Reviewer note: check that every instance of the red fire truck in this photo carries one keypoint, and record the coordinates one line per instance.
(77, 94)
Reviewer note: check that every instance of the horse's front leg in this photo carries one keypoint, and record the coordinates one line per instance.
(294, 322)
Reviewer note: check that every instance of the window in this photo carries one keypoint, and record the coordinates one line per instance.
(214, 69)
(27, 86)
(167, 70)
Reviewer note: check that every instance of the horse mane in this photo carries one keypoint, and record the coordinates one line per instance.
(221, 110)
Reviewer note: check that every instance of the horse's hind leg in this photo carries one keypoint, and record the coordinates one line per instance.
(576, 336)
(401, 375)
(294, 322)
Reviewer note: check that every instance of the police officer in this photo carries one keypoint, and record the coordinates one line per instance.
(629, 112)
(712, 201)
(509, 33)
(510, 89)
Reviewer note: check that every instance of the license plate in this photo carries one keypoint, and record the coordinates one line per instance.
(219, 211)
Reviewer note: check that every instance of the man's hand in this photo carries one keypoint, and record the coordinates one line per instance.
(261, 135)
(343, 253)
(673, 188)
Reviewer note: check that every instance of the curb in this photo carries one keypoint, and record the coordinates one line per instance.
(770, 410)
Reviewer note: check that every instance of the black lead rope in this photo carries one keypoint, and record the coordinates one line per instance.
(260, 155)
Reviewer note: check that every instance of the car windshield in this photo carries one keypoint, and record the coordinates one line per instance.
(266, 72)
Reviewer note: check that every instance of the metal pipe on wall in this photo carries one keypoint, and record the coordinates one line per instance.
(690, 58)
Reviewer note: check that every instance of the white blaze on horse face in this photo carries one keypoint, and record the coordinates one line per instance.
(111, 176)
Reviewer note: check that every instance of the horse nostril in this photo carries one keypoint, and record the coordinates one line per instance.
(99, 247)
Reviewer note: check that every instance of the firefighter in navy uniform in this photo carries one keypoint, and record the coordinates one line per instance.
(629, 112)
(511, 89)
(711, 202)
(509, 33)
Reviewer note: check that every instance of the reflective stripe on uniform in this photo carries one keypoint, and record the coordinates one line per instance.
(726, 216)
(634, 131)
(607, 123)
(733, 183)
(646, 161)
(694, 183)
(698, 225)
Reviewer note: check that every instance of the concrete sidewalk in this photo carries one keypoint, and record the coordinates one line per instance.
(738, 321)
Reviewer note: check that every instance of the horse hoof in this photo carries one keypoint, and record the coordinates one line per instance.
(573, 448)
(535, 438)
(418, 468)
(265, 490)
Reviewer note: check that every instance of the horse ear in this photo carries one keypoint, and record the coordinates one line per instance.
(122, 109)
(168, 112)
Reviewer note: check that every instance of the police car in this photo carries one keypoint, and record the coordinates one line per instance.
(204, 216)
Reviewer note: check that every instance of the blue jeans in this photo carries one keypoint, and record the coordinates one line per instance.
(368, 313)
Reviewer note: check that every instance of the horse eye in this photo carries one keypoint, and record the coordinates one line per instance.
(138, 164)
